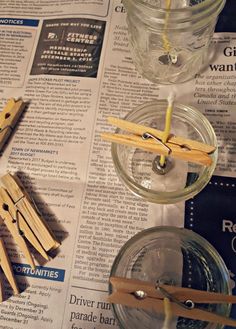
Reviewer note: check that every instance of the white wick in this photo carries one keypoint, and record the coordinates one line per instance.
(171, 98)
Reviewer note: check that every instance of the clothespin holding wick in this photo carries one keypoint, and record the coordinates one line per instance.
(23, 220)
(7, 270)
(182, 301)
(8, 119)
(155, 141)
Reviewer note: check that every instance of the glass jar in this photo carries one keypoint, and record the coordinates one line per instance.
(173, 256)
(136, 167)
(170, 38)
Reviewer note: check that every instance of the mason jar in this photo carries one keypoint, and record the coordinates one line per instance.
(172, 256)
(170, 39)
(137, 168)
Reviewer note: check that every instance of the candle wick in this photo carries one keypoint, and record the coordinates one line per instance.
(166, 133)
(166, 42)
(171, 98)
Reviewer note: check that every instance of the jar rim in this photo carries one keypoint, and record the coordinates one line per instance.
(180, 231)
(175, 196)
(199, 15)
(200, 6)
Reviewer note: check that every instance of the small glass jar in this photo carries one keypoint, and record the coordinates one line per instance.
(173, 256)
(136, 167)
(171, 45)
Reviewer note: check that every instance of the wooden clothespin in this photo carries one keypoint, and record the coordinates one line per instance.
(144, 295)
(150, 139)
(23, 220)
(7, 270)
(8, 119)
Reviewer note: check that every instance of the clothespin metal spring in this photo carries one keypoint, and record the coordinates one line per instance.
(188, 304)
(156, 165)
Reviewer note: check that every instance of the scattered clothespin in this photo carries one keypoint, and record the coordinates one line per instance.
(23, 220)
(144, 295)
(150, 139)
(6, 267)
(8, 118)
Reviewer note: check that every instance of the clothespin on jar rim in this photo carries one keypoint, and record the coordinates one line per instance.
(150, 139)
(142, 294)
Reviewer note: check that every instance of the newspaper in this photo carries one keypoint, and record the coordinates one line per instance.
(70, 60)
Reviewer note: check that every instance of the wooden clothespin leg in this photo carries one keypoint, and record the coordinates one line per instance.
(29, 223)
(8, 119)
(14, 223)
(6, 267)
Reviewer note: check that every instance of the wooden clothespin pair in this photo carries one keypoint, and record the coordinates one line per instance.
(23, 220)
(150, 139)
(8, 119)
(144, 295)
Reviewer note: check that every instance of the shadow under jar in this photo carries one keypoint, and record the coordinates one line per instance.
(173, 256)
(136, 167)
(171, 45)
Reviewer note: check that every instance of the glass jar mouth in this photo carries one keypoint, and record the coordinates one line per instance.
(178, 231)
(201, 6)
(190, 244)
(165, 197)
(191, 17)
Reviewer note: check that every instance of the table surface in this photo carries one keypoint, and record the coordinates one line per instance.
(227, 21)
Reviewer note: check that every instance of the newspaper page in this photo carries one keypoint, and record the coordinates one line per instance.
(70, 61)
